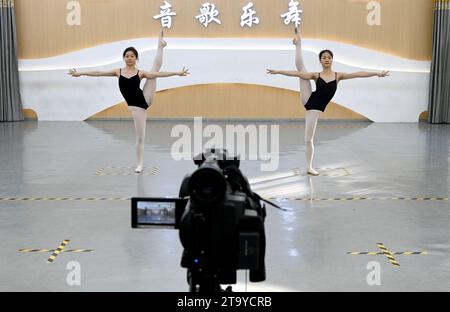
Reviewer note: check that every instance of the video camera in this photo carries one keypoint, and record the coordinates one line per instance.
(220, 222)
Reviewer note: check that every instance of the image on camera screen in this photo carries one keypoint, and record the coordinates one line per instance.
(155, 213)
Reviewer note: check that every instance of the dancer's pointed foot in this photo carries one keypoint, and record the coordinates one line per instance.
(161, 42)
(139, 169)
(313, 172)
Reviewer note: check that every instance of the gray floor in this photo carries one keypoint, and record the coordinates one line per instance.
(399, 172)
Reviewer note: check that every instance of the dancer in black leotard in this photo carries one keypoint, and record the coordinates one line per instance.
(320, 98)
(326, 86)
(129, 83)
(131, 90)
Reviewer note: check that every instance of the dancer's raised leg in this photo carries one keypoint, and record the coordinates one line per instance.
(311, 118)
(305, 85)
(150, 84)
(140, 121)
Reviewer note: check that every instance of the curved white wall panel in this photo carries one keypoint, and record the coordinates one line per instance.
(47, 89)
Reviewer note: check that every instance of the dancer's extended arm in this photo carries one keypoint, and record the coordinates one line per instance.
(362, 74)
(294, 73)
(153, 75)
(110, 73)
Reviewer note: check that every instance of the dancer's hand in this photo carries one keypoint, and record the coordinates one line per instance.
(73, 72)
(184, 72)
(272, 72)
(383, 74)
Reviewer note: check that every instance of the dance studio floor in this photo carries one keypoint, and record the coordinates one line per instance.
(381, 183)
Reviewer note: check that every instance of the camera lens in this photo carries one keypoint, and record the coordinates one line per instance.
(207, 185)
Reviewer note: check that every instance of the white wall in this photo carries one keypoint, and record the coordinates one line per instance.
(54, 95)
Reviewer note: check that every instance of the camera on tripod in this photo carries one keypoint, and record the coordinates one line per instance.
(220, 222)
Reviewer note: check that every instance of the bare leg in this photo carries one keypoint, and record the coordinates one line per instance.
(140, 121)
(305, 85)
(150, 84)
(311, 118)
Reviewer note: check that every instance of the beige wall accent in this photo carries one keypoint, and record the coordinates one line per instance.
(228, 101)
(29, 114)
(423, 116)
(406, 28)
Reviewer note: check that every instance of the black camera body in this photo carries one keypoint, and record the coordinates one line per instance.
(222, 226)
(220, 222)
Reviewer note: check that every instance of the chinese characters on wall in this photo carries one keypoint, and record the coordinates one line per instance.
(165, 15)
(294, 15)
(209, 13)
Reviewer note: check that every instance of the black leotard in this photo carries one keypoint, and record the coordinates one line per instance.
(322, 96)
(131, 91)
